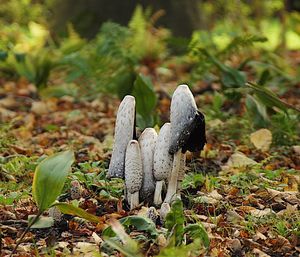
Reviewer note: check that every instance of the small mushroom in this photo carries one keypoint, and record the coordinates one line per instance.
(187, 132)
(124, 132)
(162, 161)
(147, 143)
(163, 212)
(133, 172)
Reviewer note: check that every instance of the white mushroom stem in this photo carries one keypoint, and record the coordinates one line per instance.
(134, 200)
(157, 193)
(172, 187)
(181, 171)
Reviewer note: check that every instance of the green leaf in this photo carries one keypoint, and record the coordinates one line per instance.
(193, 249)
(175, 221)
(230, 77)
(197, 231)
(42, 222)
(130, 247)
(124, 249)
(140, 223)
(257, 112)
(145, 99)
(49, 178)
(76, 211)
(269, 99)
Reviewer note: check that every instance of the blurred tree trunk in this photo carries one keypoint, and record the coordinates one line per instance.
(182, 16)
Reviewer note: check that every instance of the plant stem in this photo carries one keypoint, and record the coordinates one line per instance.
(172, 187)
(34, 220)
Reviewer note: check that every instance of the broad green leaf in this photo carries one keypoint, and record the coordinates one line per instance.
(42, 222)
(175, 221)
(268, 98)
(197, 231)
(76, 211)
(257, 112)
(145, 99)
(140, 223)
(49, 178)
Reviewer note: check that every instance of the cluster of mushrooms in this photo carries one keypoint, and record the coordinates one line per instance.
(154, 162)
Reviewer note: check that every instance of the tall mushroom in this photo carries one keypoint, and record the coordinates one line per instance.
(124, 132)
(162, 161)
(147, 143)
(187, 132)
(133, 172)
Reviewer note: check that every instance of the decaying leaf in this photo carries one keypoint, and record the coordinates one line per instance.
(239, 159)
(262, 139)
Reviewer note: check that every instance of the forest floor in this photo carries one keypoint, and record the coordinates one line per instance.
(246, 209)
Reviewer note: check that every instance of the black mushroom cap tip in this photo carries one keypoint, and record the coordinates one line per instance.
(187, 122)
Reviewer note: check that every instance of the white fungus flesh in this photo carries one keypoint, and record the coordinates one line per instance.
(147, 143)
(124, 132)
(162, 161)
(133, 172)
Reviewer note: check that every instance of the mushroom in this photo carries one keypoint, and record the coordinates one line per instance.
(187, 132)
(133, 172)
(163, 212)
(124, 132)
(147, 143)
(162, 161)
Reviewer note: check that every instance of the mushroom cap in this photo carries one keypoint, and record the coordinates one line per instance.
(124, 132)
(187, 123)
(162, 160)
(147, 143)
(133, 167)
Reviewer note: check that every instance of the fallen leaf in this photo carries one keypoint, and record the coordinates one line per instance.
(238, 159)
(262, 139)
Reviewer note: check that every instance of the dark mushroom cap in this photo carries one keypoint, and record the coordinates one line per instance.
(187, 123)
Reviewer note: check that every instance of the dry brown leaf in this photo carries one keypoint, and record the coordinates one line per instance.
(238, 159)
(262, 139)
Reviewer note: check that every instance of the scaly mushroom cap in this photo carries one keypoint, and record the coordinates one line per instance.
(147, 143)
(162, 160)
(124, 132)
(133, 167)
(187, 123)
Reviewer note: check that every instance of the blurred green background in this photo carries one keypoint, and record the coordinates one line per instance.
(88, 48)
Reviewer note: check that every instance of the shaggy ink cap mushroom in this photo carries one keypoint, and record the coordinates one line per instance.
(187, 123)
(124, 132)
(162, 161)
(133, 172)
(187, 133)
(147, 143)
